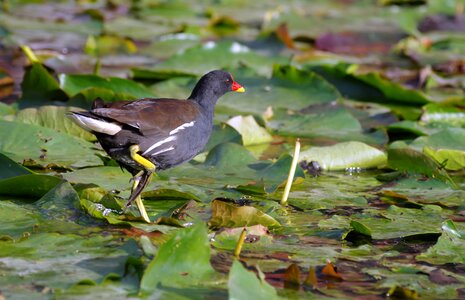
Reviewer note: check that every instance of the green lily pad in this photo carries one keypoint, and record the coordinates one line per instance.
(53, 117)
(346, 155)
(448, 249)
(183, 261)
(45, 147)
(435, 113)
(412, 161)
(447, 147)
(74, 84)
(217, 55)
(6, 110)
(395, 222)
(39, 87)
(243, 284)
(107, 177)
(287, 82)
(229, 215)
(328, 122)
(416, 128)
(29, 185)
(10, 168)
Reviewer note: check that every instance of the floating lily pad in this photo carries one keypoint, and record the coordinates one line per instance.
(345, 156)
(45, 147)
(53, 117)
(74, 84)
(39, 87)
(244, 284)
(183, 261)
(10, 168)
(28, 185)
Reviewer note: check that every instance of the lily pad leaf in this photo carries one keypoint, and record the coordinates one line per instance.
(436, 113)
(216, 55)
(360, 228)
(412, 161)
(447, 147)
(451, 159)
(39, 87)
(287, 82)
(329, 122)
(228, 215)
(53, 117)
(45, 147)
(448, 249)
(251, 132)
(10, 168)
(345, 155)
(183, 261)
(29, 185)
(74, 84)
(243, 284)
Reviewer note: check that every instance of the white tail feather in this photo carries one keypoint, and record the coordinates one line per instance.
(91, 124)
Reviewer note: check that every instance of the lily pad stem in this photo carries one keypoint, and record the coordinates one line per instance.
(29, 53)
(240, 243)
(290, 178)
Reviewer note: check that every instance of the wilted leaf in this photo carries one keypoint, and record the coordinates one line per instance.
(229, 215)
(292, 277)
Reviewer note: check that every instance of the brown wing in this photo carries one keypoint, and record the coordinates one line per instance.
(150, 116)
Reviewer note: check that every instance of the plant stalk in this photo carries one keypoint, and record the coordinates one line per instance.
(290, 178)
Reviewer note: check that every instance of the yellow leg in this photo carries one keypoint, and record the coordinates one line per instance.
(139, 203)
(150, 167)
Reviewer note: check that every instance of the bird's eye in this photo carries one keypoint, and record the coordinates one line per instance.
(228, 81)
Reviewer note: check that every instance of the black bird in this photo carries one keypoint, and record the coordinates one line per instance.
(149, 134)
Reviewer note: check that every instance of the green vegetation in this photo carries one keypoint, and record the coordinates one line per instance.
(374, 90)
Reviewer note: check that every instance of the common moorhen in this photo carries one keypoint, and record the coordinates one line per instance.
(149, 134)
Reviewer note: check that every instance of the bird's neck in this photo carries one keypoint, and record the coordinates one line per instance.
(206, 99)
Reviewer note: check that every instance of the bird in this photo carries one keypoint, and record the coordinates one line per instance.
(151, 134)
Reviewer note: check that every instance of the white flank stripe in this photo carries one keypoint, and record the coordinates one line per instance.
(92, 124)
(159, 143)
(162, 151)
(182, 127)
